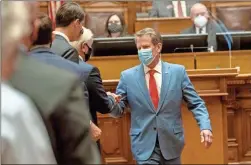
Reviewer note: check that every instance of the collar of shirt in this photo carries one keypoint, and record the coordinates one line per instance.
(61, 34)
(80, 58)
(40, 46)
(157, 68)
(203, 30)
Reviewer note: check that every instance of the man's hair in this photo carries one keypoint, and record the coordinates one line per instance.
(85, 37)
(155, 36)
(15, 21)
(67, 13)
(44, 30)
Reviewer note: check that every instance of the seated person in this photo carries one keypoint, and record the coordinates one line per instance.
(115, 26)
(203, 24)
(166, 8)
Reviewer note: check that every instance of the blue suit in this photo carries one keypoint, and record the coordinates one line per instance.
(47, 56)
(165, 123)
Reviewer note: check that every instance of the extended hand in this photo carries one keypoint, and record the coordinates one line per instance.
(95, 132)
(206, 137)
(116, 97)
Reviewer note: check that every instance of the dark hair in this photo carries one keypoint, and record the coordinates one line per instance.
(122, 20)
(44, 30)
(69, 12)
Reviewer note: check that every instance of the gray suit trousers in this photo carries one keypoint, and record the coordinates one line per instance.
(157, 158)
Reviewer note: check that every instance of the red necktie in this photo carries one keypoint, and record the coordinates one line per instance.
(180, 12)
(153, 89)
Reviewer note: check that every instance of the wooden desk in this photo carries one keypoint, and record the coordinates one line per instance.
(111, 67)
(164, 25)
(212, 87)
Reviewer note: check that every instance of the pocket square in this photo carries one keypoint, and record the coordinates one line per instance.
(169, 6)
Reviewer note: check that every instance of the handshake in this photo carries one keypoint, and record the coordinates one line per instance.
(117, 98)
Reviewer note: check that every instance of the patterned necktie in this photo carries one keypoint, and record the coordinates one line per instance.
(180, 12)
(153, 89)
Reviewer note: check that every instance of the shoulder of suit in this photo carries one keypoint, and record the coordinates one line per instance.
(131, 70)
(61, 43)
(85, 65)
(174, 67)
(43, 82)
(10, 95)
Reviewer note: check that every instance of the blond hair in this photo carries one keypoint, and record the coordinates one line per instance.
(15, 21)
(84, 38)
(155, 36)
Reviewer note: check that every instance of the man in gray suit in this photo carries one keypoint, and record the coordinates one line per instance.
(69, 21)
(203, 24)
(59, 98)
(167, 8)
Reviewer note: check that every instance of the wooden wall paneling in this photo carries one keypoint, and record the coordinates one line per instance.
(164, 25)
(244, 98)
(239, 100)
(233, 126)
(43, 6)
(236, 15)
(144, 6)
(131, 16)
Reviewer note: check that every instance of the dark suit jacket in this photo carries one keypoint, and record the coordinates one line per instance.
(61, 46)
(164, 8)
(59, 98)
(98, 99)
(212, 28)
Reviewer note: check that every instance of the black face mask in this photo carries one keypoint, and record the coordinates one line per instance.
(88, 54)
(114, 28)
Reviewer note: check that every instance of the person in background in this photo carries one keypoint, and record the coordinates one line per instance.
(24, 138)
(166, 8)
(203, 24)
(115, 26)
(99, 100)
(42, 51)
(58, 95)
(84, 45)
(154, 90)
(69, 20)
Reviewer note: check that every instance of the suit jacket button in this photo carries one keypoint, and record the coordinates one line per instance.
(154, 128)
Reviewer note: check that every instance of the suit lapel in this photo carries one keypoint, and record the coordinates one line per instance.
(166, 76)
(142, 85)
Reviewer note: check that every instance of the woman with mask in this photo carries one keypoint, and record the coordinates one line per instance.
(115, 26)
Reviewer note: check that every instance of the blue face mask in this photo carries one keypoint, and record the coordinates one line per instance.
(145, 56)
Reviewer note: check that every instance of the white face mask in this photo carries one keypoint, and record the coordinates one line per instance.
(200, 21)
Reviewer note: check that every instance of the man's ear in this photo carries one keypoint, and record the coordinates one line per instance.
(159, 47)
(82, 47)
(75, 22)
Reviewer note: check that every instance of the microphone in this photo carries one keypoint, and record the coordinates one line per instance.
(226, 35)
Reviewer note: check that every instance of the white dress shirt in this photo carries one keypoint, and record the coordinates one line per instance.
(157, 76)
(24, 137)
(61, 34)
(80, 58)
(204, 30)
(183, 6)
